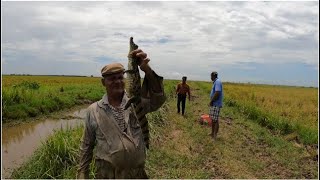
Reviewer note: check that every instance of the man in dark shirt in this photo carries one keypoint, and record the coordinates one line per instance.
(182, 90)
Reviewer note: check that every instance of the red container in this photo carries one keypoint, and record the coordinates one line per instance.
(205, 119)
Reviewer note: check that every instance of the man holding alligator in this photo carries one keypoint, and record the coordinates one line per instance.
(114, 130)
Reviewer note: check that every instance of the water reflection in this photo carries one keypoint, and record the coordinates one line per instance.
(19, 142)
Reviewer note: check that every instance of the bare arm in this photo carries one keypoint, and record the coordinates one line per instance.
(215, 97)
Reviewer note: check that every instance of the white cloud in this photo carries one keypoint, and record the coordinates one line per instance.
(178, 36)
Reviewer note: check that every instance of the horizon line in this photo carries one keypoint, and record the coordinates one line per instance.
(238, 82)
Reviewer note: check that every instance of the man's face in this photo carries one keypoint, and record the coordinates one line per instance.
(213, 77)
(184, 80)
(114, 83)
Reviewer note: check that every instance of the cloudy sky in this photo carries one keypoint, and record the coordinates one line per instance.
(254, 41)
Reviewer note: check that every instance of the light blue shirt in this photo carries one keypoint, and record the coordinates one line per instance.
(217, 86)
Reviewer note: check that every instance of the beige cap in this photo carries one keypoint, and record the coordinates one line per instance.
(112, 69)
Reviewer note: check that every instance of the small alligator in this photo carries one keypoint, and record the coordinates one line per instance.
(134, 92)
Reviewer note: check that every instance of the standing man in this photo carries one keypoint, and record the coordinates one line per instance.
(215, 104)
(114, 131)
(182, 90)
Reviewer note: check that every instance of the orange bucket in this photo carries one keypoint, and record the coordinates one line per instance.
(205, 119)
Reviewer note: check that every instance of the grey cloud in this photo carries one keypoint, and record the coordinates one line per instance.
(215, 34)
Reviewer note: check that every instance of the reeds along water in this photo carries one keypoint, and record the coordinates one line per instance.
(30, 96)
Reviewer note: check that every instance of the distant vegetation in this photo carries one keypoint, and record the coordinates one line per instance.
(251, 147)
(44, 75)
(30, 96)
(58, 157)
(280, 108)
(283, 109)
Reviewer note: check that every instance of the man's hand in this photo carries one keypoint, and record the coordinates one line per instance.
(142, 60)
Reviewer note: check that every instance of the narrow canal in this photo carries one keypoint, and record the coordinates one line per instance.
(20, 141)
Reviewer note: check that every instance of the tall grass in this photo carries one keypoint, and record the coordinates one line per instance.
(30, 96)
(294, 103)
(280, 108)
(55, 159)
(58, 157)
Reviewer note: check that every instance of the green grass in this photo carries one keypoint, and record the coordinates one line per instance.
(251, 147)
(55, 159)
(281, 108)
(273, 122)
(58, 157)
(33, 98)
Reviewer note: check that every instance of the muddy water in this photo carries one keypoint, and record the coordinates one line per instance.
(19, 142)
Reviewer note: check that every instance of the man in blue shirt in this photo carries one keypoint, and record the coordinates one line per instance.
(215, 104)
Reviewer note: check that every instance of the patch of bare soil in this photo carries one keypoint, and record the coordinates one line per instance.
(308, 162)
(217, 172)
(175, 134)
(227, 120)
(182, 145)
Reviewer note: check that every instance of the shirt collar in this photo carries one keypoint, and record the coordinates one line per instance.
(214, 80)
(104, 101)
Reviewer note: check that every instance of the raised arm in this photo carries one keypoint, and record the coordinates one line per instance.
(152, 91)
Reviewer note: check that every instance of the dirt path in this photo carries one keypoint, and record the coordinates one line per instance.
(244, 149)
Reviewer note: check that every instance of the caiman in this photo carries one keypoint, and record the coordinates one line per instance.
(134, 92)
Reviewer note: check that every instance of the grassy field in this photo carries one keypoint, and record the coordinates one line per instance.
(31, 96)
(256, 139)
(280, 108)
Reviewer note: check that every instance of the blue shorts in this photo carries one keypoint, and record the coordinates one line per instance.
(214, 113)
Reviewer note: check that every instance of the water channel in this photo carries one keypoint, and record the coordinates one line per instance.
(20, 141)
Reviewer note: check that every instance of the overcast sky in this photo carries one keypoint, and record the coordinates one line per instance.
(257, 42)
